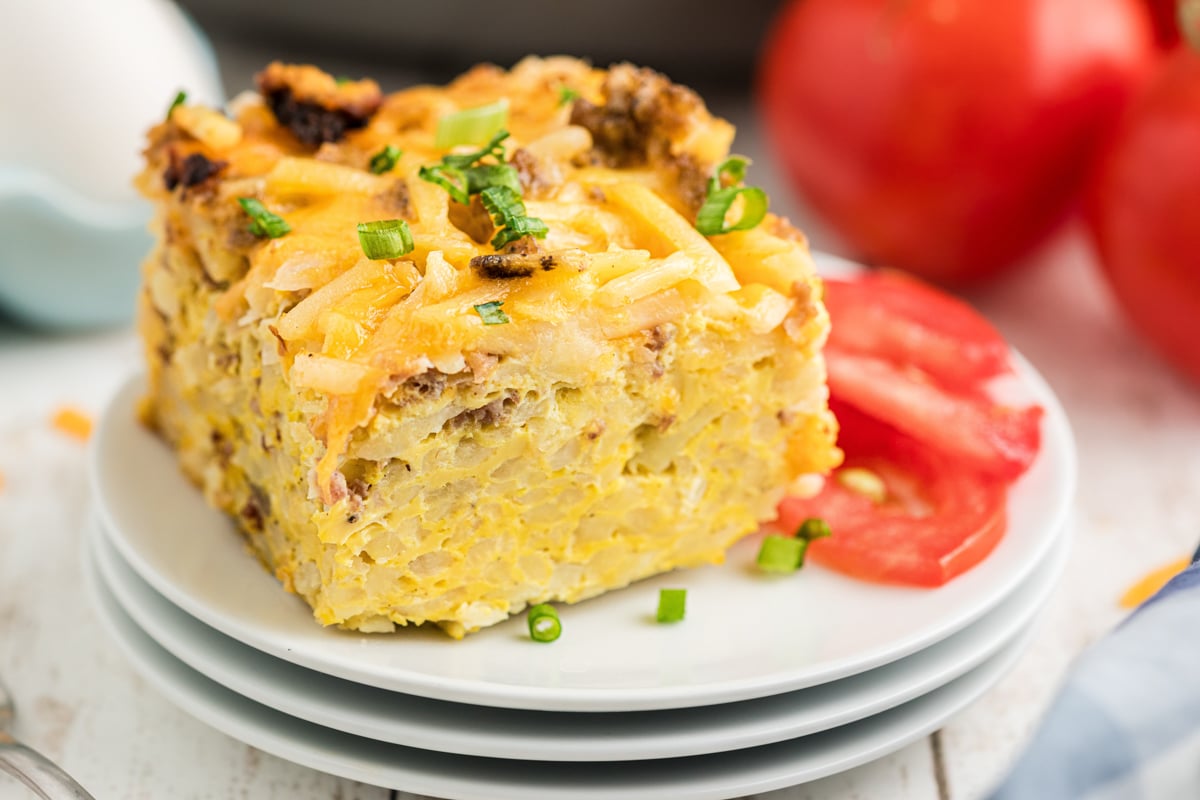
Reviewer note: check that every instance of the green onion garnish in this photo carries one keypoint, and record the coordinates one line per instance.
(813, 528)
(272, 226)
(671, 604)
(452, 179)
(342, 80)
(502, 203)
(781, 553)
(723, 192)
(493, 148)
(566, 95)
(487, 175)
(519, 228)
(492, 314)
(508, 214)
(385, 238)
(543, 623)
(734, 167)
(498, 186)
(180, 99)
(471, 125)
(464, 175)
(710, 220)
(385, 160)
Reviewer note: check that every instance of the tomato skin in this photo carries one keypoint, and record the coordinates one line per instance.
(983, 437)
(889, 315)
(963, 520)
(1145, 213)
(947, 139)
(1166, 22)
(909, 371)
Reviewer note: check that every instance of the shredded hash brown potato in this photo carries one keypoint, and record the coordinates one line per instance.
(390, 456)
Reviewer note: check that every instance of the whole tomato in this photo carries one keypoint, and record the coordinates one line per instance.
(1166, 25)
(947, 137)
(1145, 212)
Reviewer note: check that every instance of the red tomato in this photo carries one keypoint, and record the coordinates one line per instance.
(905, 321)
(1166, 21)
(909, 369)
(985, 437)
(938, 521)
(947, 137)
(1145, 212)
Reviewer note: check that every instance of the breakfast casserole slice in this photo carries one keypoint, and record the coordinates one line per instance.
(454, 351)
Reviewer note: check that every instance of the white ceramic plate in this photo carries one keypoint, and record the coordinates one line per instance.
(746, 635)
(709, 777)
(549, 736)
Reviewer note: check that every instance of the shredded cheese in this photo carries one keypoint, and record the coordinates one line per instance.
(72, 422)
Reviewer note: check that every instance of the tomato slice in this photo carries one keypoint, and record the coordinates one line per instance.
(937, 522)
(986, 437)
(889, 315)
(909, 376)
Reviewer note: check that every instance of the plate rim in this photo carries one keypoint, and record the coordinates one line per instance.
(616, 741)
(361, 759)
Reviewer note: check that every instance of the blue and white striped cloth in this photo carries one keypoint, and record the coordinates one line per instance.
(1126, 724)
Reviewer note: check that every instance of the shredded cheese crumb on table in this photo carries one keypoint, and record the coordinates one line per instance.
(1148, 585)
(73, 422)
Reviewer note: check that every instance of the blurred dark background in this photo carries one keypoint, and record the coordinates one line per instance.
(707, 44)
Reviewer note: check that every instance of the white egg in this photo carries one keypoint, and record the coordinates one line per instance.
(83, 82)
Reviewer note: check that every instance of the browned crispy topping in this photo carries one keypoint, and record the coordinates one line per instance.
(472, 219)
(498, 266)
(397, 200)
(534, 181)
(310, 123)
(314, 106)
(189, 171)
(525, 246)
(643, 111)
(693, 181)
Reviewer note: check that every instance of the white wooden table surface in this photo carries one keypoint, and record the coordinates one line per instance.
(1138, 506)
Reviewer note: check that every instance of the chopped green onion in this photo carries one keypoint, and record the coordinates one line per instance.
(485, 176)
(494, 148)
(519, 228)
(180, 99)
(491, 313)
(781, 553)
(671, 604)
(452, 179)
(734, 167)
(385, 238)
(272, 226)
(566, 95)
(508, 214)
(723, 192)
(498, 186)
(503, 203)
(543, 623)
(342, 80)
(385, 160)
(471, 125)
(813, 528)
(710, 220)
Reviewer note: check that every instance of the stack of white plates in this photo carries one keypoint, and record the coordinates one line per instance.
(769, 681)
